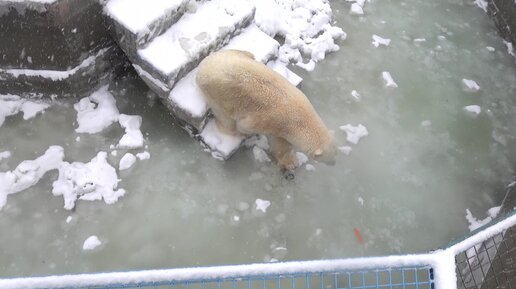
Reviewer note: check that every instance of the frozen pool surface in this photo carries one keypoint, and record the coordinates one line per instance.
(405, 186)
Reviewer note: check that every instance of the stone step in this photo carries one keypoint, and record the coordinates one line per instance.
(178, 50)
(134, 23)
(187, 101)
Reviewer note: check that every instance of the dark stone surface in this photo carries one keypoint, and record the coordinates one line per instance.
(54, 36)
(503, 13)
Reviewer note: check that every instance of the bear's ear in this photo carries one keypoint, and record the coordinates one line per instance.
(318, 152)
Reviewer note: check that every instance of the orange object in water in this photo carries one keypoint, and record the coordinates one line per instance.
(358, 235)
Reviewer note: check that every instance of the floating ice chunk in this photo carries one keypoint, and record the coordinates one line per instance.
(310, 168)
(419, 40)
(473, 108)
(356, 9)
(301, 158)
(356, 95)
(426, 123)
(96, 112)
(470, 85)
(262, 205)
(31, 108)
(95, 180)
(5, 155)
(345, 150)
(309, 66)
(482, 4)
(354, 133)
(236, 218)
(510, 49)
(133, 137)
(490, 48)
(389, 82)
(29, 172)
(68, 219)
(260, 155)
(360, 200)
(91, 243)
(377, 41)
(143, 156)
(126, 161)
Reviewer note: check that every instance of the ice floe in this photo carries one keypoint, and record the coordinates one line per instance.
(91, 243)
(389, 82)
(470, 85)
(96, 112)
(377, 41)
(133, 137)
(354, 133)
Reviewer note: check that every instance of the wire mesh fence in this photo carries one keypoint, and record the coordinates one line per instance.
(490, 264)
(402, 278)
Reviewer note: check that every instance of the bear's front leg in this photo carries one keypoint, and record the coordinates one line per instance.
(285, 156)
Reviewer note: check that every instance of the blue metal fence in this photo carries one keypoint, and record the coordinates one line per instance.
(402, 278)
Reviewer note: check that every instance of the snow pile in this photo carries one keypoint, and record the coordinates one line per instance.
(389, 82)
(29, 172)
(354, 133)
(133, 137)
(470, 85)
(377, 41)
(96, 112)
(95, 180)
(91, 243)
(13, 104)
(305, 25)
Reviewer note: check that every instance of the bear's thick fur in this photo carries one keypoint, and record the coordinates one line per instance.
(246, 97)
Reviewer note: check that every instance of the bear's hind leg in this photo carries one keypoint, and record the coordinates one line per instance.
(284, 155)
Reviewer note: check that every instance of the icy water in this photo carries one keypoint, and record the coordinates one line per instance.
(405, 187)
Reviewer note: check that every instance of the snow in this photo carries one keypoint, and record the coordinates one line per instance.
(345, 150)
(30, 108)
(137, 16)
(354, 133)
(222, 144)
(194, 34)
(356, 95)
(5, 155)
(470, 85)
(95, 180)
(13, 104)
(262, 205)
(389, 82)
(490, 48)
(143, 156)
(305, 25)
(377, 41)
(133, 137)
(360, 200)
(474, 223)
(475, 109)
(96, 112)
(310, 167)
(356, 9)
(91, 243)
(260, 155)
(510, 49)
(54, 74)
(68, 219)
(482, 4)
(127, 161)
(29, 172)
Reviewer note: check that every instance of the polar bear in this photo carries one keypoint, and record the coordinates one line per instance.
(246, 97)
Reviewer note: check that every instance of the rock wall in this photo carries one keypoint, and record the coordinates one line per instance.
(503, 13)
(55, 48)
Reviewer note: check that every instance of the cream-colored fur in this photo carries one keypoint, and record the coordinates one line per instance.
(246, 97)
